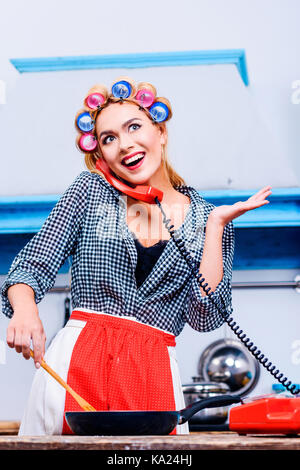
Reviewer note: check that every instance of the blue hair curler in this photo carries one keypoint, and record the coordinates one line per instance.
(84, 122)
(121, 89)
(159, 111)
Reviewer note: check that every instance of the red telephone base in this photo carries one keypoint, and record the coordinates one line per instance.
(266, 416)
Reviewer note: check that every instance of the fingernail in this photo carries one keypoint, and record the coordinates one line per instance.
(37, 365)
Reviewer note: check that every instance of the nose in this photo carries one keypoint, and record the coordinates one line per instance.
(126, 142)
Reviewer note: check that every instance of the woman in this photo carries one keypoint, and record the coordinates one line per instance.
(132, 291)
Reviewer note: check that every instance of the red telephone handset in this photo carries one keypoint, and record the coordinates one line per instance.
(143, 193)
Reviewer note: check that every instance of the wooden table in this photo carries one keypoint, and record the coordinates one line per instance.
(194, 441)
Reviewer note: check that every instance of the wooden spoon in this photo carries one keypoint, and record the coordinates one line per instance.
(81, 402)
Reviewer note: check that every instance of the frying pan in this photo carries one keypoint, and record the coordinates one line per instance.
(134, 423)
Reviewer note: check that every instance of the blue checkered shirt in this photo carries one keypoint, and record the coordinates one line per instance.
(88, 224)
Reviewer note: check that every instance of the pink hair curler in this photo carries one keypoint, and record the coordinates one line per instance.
(88, 142)
(95, 100)
(145, 97)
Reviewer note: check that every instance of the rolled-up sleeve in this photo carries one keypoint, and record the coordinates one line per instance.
(201, 312)
(39, 261)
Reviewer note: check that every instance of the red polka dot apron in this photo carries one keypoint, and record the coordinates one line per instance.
(120, 364)
(115, 363)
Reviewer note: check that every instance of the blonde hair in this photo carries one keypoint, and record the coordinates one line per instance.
(91, 158)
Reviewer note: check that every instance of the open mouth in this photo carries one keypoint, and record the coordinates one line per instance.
(134, 161)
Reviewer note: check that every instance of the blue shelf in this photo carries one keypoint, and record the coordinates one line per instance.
(236, 57)
(26, 214)
(266, 238)
(282, 211)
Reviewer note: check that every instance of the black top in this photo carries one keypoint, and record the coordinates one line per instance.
(147, 258)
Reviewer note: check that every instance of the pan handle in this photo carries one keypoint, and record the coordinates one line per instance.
(213, 402)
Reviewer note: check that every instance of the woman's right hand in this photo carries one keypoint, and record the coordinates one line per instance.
(26, 327)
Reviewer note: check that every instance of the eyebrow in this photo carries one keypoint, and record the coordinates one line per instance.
(123, 126)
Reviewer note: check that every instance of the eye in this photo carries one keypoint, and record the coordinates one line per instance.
(104, 141)
(136, 125)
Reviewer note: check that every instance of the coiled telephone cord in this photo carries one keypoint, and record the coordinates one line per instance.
(259, 356)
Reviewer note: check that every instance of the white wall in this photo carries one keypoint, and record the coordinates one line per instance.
(243, 137)
(251, 132)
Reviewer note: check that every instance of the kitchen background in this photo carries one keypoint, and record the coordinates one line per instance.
(231, 72)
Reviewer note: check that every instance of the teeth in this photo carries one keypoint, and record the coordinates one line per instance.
(132, 159)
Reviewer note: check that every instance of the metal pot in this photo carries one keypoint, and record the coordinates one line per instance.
(229, 362)
(200, 390)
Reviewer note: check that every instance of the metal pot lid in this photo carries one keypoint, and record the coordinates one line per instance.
(206, 387)
(228, 361)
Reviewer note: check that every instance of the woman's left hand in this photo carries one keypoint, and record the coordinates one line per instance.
(225, 214)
